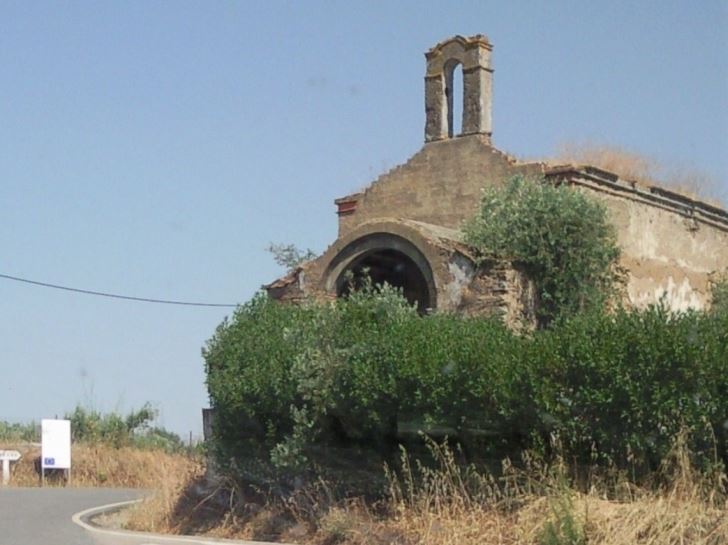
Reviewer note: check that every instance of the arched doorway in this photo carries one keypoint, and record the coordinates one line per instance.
(384, 258)
(390, 267)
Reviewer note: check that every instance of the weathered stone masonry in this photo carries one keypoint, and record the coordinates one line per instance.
(404, 228)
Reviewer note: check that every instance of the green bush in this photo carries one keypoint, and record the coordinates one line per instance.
(286, 380)
(562, 236)
(622, 386)
(719, 294)
(16, 433)
(562, 527)
(114, 429)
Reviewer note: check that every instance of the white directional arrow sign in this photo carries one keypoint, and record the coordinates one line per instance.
(10, 455)
(7, 456)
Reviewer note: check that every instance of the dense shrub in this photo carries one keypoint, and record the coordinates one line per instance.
(562, 236)
(621, 386)
(285, 379)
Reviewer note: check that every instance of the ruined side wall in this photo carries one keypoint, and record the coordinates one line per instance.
(669, 248)
(501, 289)
(441, 184)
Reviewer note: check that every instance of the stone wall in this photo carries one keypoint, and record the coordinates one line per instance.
(441, 184)
(671, 244)
(501, 289)
(454, 280)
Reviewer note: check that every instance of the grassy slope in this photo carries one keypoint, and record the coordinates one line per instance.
(533, 506)
(451, 506)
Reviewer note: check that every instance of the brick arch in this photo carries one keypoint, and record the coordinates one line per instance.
(393, 240)
(384, 257)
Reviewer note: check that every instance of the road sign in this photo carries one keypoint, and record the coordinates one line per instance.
(56, 443)
(10, 455)
(7, 456)
(55, 451)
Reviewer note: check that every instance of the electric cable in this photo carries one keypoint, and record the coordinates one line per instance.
(114, 295)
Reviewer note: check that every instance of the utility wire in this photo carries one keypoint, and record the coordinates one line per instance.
(114, 295)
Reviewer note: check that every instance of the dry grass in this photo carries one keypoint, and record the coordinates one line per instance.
(640, 169)
(192, 507)
(452, 505)
(536, 506)
(447, 504)
(106, 466)
(157, 513)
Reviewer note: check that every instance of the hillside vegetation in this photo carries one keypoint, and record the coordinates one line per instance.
(606, 427)
(360, 421)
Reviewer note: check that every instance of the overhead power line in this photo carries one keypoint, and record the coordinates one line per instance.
(114, 295)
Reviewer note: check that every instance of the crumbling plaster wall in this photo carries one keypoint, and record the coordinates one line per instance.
(670, 246)
(666, 255)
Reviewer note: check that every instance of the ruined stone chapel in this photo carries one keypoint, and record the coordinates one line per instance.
(404, 228)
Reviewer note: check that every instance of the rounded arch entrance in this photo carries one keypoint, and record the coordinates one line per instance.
(380, 258)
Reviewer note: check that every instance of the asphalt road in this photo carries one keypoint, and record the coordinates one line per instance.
(42, 516)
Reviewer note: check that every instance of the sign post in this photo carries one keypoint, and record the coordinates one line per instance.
(8, 456)
(55, 446)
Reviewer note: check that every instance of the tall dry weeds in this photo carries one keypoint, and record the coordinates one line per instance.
(538, 504)
(158, 512)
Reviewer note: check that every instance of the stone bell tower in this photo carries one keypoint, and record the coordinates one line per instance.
(473, 55)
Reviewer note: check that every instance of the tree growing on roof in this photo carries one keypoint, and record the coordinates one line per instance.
(563, 238)
(290, 256)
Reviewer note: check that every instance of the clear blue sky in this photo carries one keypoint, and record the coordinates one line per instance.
(155, 149)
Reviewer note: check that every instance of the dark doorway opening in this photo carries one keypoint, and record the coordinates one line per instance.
(391, 267)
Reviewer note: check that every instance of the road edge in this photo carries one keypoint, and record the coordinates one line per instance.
(82, 519)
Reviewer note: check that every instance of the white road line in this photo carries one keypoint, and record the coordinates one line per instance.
(80, 520)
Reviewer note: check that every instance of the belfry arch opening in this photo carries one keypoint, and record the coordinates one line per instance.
(455, 93)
